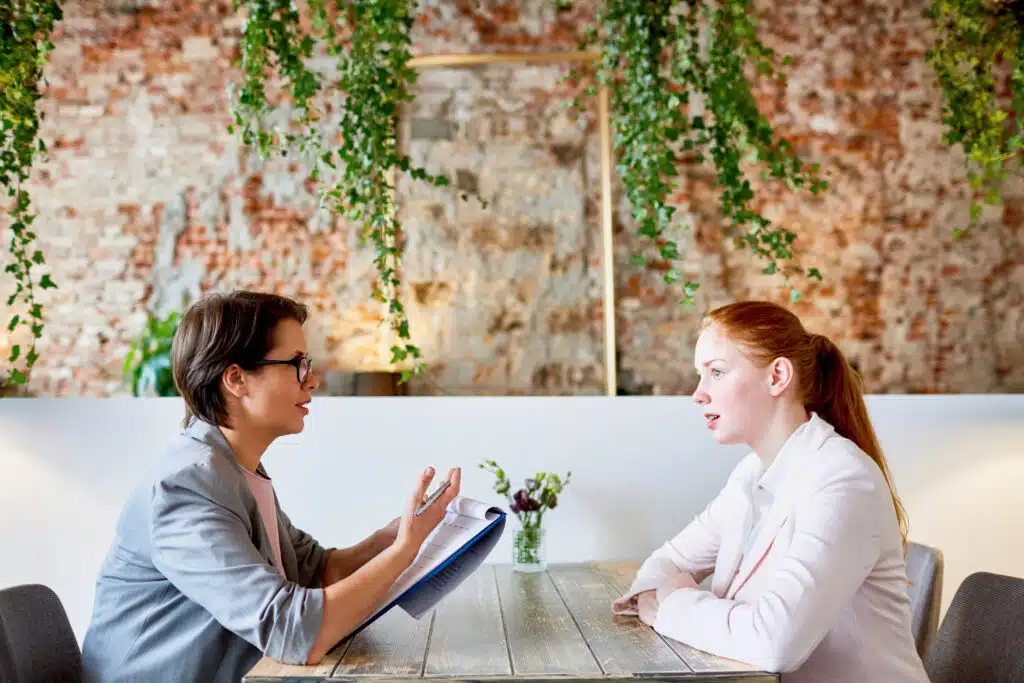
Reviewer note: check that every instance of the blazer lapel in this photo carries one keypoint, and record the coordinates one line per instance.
(808, 438)
(212, 436)
(266, 550)
(290, 564)
(730, 552)
(752, 560)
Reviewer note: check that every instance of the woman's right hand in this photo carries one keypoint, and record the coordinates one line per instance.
(413, 530)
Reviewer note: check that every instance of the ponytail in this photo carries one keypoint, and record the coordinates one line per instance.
(835, 393)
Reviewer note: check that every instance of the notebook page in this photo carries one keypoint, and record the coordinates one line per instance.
(451, 534)
(469, 507)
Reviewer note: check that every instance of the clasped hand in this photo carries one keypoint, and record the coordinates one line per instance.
(648, 602)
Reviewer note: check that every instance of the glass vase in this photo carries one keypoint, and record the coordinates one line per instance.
(528, 549)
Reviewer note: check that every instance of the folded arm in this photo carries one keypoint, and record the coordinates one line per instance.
(836, 542)
(693, 551)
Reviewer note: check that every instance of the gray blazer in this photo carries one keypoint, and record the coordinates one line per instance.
(189, 589)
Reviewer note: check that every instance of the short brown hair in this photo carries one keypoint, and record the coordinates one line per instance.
(216, 332)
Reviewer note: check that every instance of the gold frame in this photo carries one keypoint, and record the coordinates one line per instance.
(603, 112)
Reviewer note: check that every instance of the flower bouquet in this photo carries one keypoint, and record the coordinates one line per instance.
(529, 503)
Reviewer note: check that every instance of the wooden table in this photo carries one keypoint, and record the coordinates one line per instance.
(507, 627)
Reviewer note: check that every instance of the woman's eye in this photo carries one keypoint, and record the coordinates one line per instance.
(716, 373)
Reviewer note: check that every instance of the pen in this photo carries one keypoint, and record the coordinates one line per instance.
(433, 496)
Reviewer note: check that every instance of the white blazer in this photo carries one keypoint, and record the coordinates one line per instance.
(821, 592)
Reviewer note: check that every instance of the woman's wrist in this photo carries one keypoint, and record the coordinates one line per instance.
(402, 552)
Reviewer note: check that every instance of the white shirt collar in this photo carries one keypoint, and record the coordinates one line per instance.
(808, 436)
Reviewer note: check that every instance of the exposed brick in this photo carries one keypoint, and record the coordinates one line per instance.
(146, 199)
(432, 129)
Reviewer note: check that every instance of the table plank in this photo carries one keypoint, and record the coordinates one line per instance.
(542, 636)
(621, 575)
(268, 669)
(468, 638)
(622, 645)
(394, 645)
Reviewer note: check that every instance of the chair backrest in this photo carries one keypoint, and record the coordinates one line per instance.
(980, 636)
(924, 571)
(37, 644)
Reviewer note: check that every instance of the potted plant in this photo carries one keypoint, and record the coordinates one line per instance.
(147, 368)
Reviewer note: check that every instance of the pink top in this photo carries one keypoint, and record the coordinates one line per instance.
(263, 490)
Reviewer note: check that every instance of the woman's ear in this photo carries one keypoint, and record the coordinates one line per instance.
(781, 376)
(234, 381)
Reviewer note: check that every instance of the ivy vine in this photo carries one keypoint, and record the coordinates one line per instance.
(25, 27)
(355, 166)
(975, 39)
(652, 59)
(657, 59)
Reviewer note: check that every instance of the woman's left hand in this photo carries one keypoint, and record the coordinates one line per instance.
(647, 607)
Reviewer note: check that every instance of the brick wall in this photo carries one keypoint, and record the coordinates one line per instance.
(146, 201)
(914, 310)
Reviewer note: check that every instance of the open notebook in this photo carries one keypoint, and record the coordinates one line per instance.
(452, 551)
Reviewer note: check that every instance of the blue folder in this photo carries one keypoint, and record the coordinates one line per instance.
(424, 595)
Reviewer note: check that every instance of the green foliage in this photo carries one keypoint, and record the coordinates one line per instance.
(974, 39)
(25, 27)
(355, 166)
(657, 58)
(652, 59)
(538, 494)
(147, 368)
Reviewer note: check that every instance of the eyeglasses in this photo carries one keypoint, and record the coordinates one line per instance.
(303, 366)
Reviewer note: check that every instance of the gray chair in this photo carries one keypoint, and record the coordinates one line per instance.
(981, 635)
(924, 571)
(37, 644)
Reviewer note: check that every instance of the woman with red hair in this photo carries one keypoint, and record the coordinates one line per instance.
(805, 543)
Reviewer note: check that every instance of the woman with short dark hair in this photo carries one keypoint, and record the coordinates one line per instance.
(206, 573)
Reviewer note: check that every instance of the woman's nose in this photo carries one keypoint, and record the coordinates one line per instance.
(700, 397)
(313, 381)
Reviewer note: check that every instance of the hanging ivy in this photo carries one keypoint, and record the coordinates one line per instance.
(25, 27)
(652, 59)
(658, 58)
(977, 41)
(356, 165)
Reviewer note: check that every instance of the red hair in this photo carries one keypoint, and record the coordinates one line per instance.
(828, 385)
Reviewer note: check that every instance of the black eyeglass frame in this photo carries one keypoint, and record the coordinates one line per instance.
(294, 362)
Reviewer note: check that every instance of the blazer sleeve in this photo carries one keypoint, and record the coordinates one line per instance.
(694, 551)
(310, 556)
(203, 548)
(836, 543)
